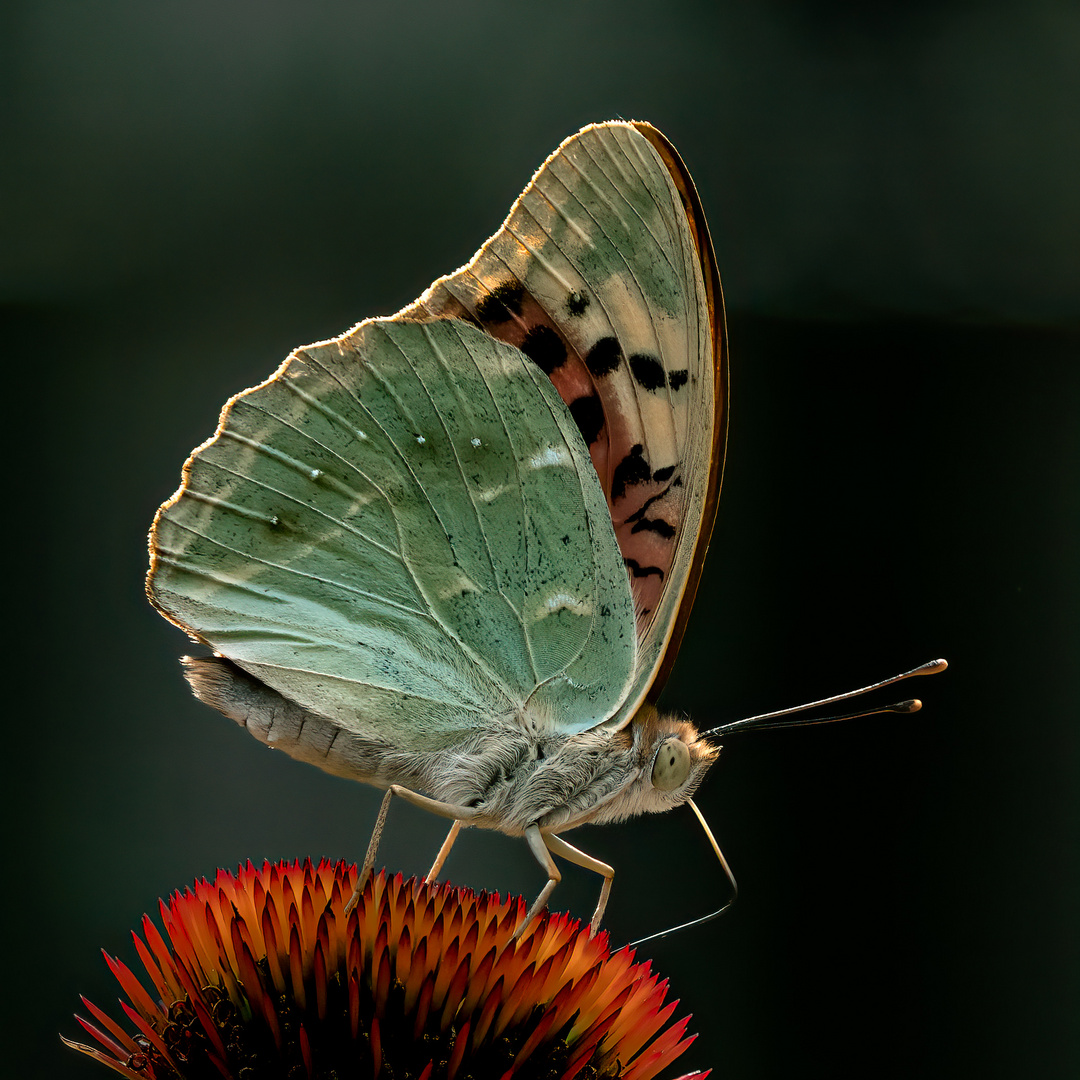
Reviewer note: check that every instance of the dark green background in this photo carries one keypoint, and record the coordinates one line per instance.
(190, 190)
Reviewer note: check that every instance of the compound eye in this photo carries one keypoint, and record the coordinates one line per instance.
(672, 765)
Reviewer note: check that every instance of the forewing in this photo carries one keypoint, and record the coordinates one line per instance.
(603, 274)
(402, 531)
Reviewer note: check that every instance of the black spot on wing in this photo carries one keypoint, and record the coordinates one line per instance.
(502, 302)
(588, 414)
(677, 379)
(663, 474)
(638, 514)
(647, 371)
(656, 525)
(576, 303)
(544, 348)
(643, 571)
(604, 357)
(633, 469)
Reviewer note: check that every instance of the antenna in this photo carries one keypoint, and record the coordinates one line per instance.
(912, 705)
(760, 722)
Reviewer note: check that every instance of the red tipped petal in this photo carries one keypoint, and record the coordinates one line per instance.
(487, 1014)
(382, 982)
(376, 1047)
(296, 968)
(147, 1030)
(478, 981)
(305, 1051)
(354, 1006)
(633, 1032)
(132, 987)
(97, 1055)
(540, 1032)
(584, 1050)
(661, 1053)
(114, 1029)
(320, 981)
(114, 1048)
(454, 995)
(423, 1004)
(458, 1052)
(162, 954)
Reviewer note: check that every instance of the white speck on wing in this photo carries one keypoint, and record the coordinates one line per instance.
(550, 456)
(565, 602)
(456, 583)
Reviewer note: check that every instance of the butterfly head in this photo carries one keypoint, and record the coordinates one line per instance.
(662, 762)
(674, 757)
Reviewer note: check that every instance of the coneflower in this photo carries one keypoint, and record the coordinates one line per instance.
(261, 975)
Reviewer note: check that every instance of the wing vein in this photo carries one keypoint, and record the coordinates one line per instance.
(178, 560)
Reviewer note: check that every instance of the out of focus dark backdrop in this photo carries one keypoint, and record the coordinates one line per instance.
(191, 190)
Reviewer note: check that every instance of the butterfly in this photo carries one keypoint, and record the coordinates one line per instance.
(452, 552)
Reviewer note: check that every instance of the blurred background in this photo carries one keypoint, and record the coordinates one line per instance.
(191, 190)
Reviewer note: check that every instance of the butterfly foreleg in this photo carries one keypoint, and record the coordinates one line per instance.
(459, 814)
(560, 847)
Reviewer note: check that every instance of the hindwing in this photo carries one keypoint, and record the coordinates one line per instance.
(402, 531)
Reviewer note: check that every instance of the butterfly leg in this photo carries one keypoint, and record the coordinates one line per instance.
(538, 846)
(560, 847)
(369, 857)
(458, 813)
(448, 843)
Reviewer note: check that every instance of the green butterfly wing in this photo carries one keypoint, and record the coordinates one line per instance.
(402, 531)
(603, 273)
